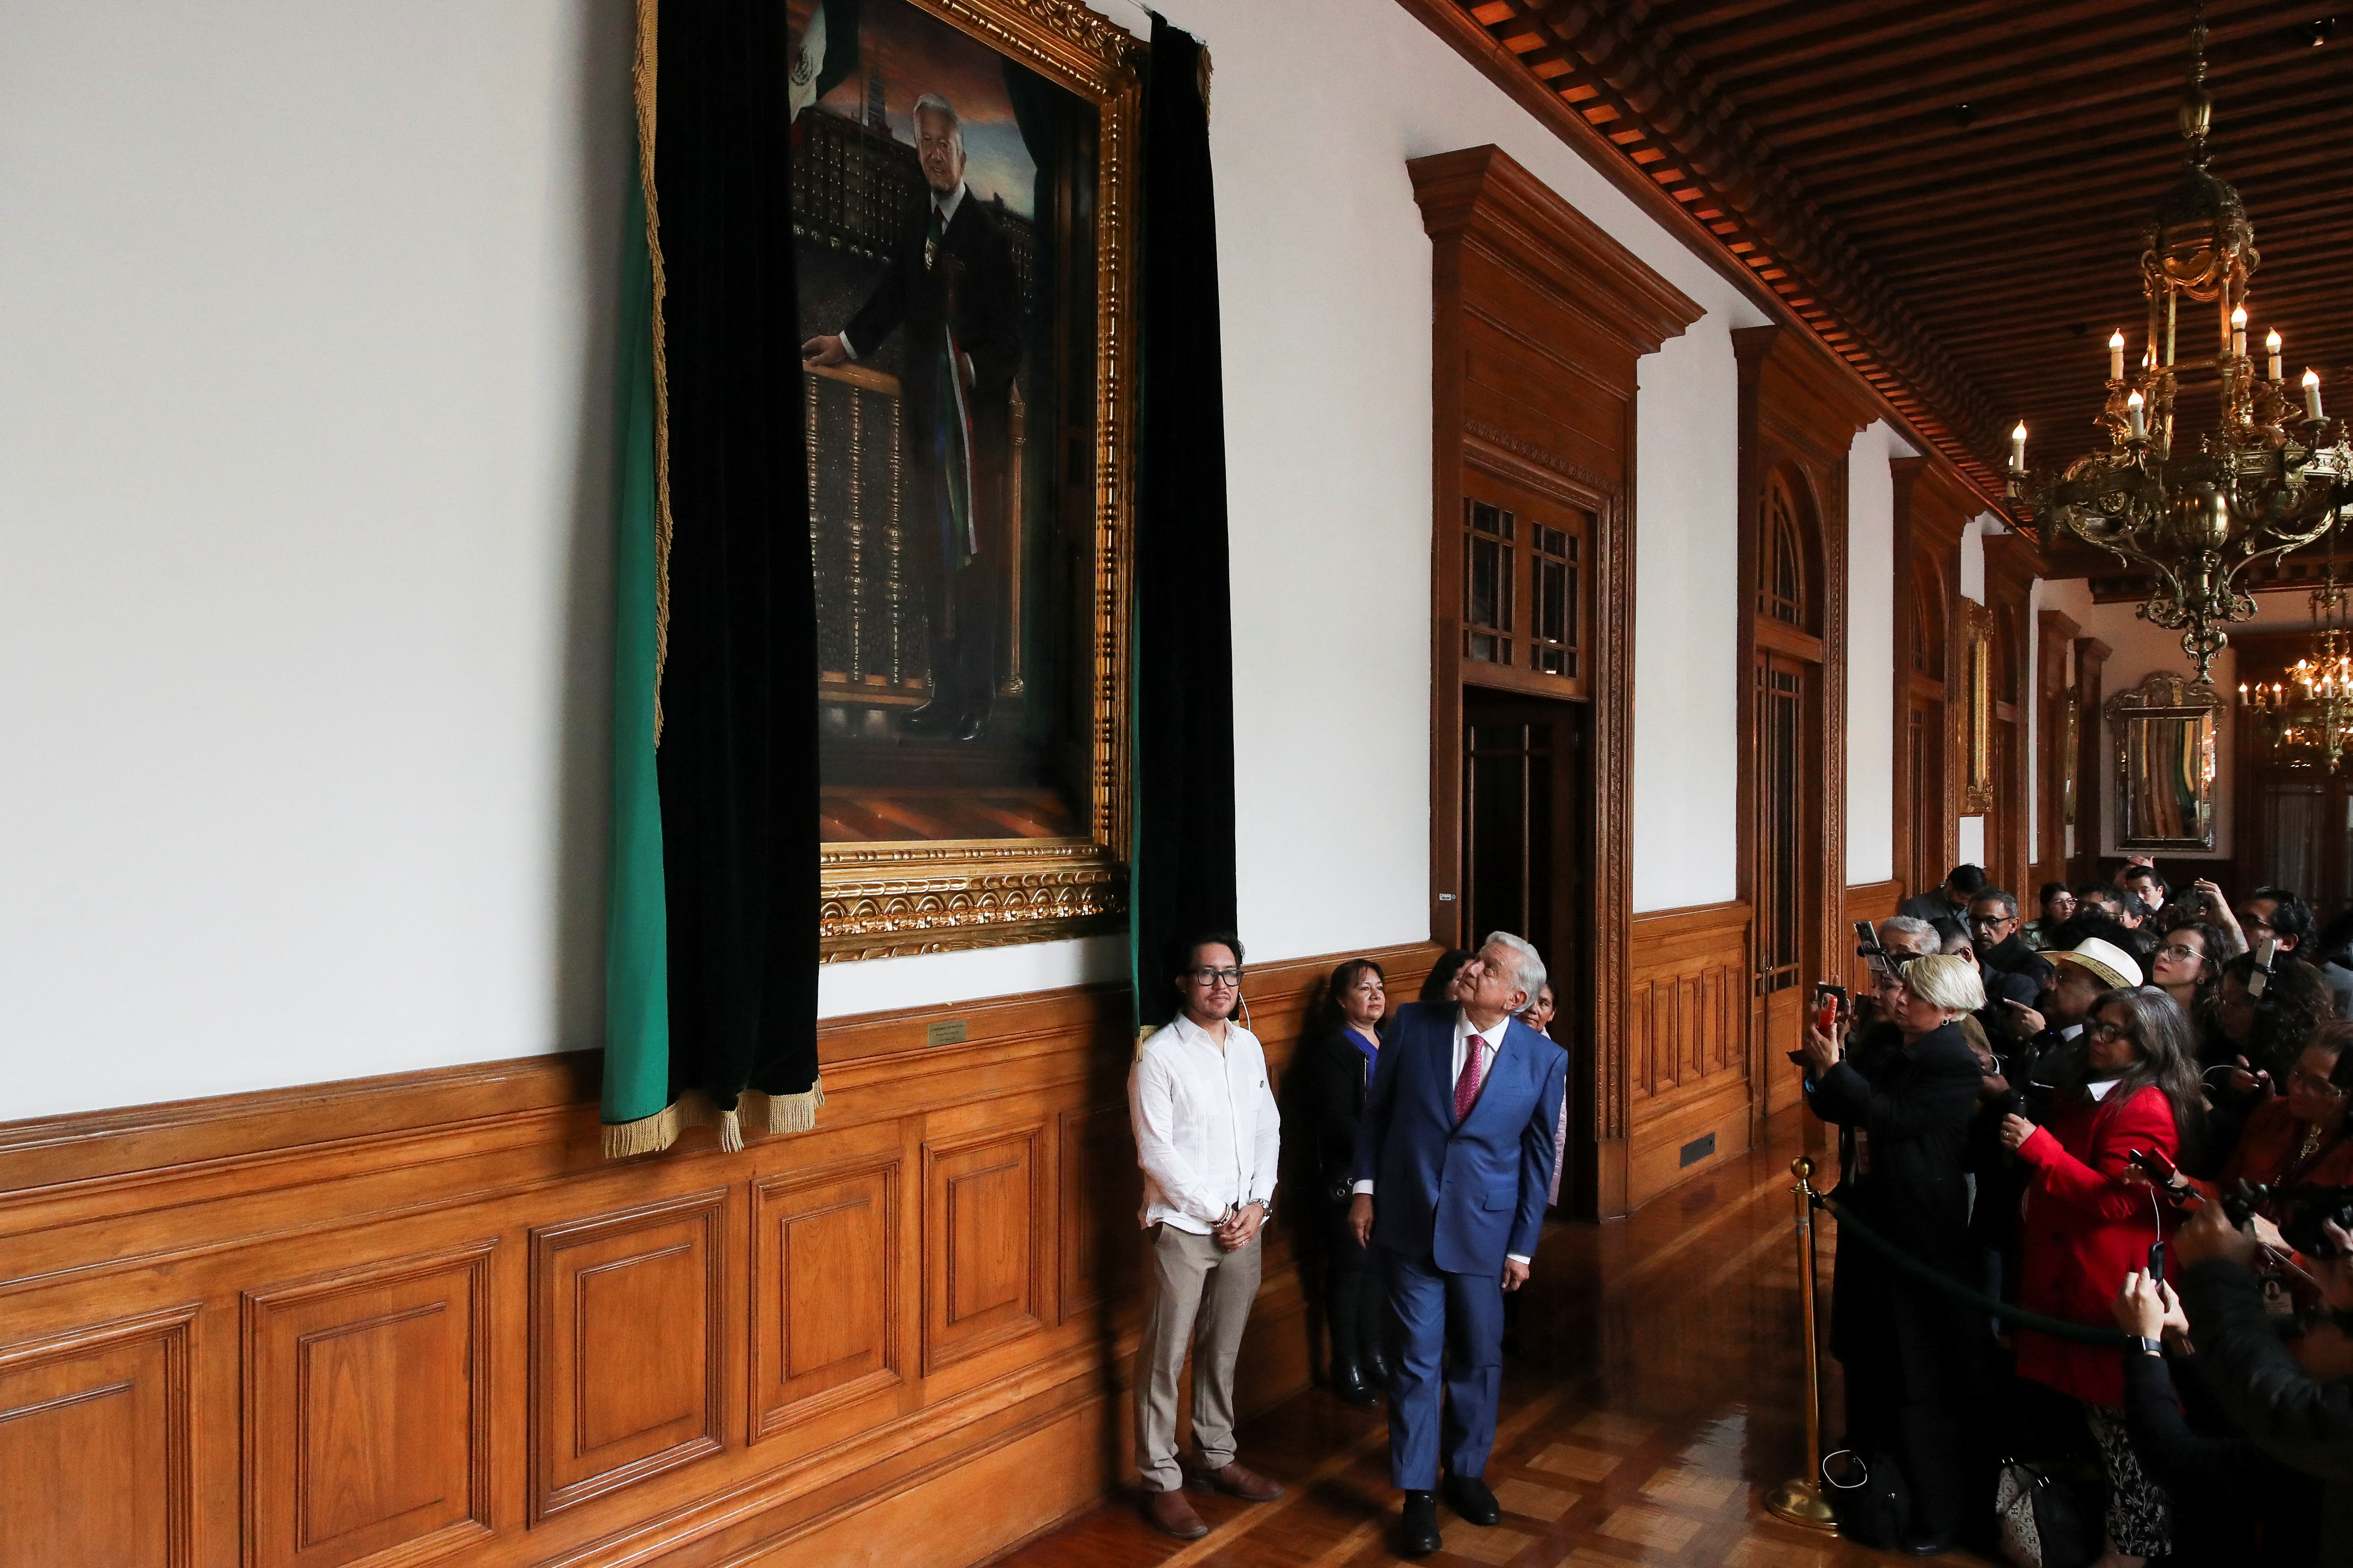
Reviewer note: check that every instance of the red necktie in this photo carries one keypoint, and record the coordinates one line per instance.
(1466, 1087)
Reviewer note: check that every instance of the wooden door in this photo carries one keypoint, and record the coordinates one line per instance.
(1787, 876)
(1528, 869)
(1924, 793)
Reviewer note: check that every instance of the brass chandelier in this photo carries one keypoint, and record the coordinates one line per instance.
(2307, 716)
(2274, 475)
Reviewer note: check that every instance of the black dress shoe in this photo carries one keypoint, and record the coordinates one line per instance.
(1376, 1370)
(1419, 1537)
(1349, 1383)
(1469, 1496)
(969, 727)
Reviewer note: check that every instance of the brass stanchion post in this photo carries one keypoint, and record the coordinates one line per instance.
(1800, 1501)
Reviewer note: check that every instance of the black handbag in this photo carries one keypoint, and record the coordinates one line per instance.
(2042, 1521)
(1869, 1497)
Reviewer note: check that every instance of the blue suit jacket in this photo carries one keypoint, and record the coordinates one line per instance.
(1463, 1196)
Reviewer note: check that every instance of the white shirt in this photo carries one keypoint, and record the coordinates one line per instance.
(1493, 1036)
(947, 205)
(1207, 1129)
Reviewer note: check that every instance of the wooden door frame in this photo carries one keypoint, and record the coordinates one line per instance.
(1800, 411)
(2091, 761)
(1933, 506)
(1589, 309)
(2012, 562)
(2055, 640)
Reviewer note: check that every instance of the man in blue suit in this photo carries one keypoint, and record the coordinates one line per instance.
(1453, 1161)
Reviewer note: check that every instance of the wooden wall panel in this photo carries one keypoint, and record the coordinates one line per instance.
(368, 1434)
(94, 1446)
(983, 1263)
(613, 1403)
(1689, 1046)
(825, 1272)
(420, 1318)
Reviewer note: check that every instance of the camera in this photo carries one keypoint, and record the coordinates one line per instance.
(2308, 1208)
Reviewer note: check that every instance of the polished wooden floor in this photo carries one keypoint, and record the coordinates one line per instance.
(1655, 1400)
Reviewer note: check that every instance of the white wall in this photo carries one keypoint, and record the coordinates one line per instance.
(304, 493)
(303, 431)
(1871, 781)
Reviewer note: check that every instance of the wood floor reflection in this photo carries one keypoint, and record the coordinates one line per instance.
(1655, 1400)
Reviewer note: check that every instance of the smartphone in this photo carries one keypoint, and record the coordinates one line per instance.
(2156, 1260)
(2265, 951)
(2154, 1163)
(1829, 1004)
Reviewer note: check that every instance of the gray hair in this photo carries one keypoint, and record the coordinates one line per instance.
(1912, 926)
(1945, 980)
(932, 103)
(1528, 973)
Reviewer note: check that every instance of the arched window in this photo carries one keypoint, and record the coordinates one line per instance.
(1781, 582)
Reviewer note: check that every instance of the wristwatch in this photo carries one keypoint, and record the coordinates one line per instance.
(2147, 1346)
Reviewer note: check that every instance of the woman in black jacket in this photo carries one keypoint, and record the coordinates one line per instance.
(1906, 1088)
(1339, 1059)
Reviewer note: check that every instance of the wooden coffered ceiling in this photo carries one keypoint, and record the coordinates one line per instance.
(1953, 195)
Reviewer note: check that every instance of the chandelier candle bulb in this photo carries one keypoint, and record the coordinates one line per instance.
(2239, 332)
(2018, 447)
(2272, 342)
(2312, 395)
(2139, 423)
(2116, 355)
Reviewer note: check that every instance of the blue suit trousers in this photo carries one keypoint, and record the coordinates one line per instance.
(1447, 1335)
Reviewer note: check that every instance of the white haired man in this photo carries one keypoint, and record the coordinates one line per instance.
(1454, 1160)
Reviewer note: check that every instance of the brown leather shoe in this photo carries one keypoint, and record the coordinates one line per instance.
(1236, 1481)
(1170, 1514)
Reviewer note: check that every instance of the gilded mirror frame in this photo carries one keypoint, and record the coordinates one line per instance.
(889, 898)
(2163, 696)
(1976, 709)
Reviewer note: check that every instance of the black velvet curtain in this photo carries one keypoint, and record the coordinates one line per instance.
(738, 752)
(1184, 758)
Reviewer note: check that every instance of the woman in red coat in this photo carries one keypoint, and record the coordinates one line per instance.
(2090, 1217)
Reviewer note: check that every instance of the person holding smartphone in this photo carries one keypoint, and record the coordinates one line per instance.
(1908, 1094)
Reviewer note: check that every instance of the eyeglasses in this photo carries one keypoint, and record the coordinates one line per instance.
(2175, 949)
(2103, 1030)
(1982, 922)
(2312, 1085)
(1216, 979)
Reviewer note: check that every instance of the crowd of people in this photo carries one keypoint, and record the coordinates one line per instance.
(2121, 1122)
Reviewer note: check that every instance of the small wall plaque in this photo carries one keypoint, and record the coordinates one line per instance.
(950, 1033)
(1698, 1149)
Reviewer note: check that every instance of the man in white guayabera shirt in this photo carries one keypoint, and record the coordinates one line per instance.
(1207, 1134)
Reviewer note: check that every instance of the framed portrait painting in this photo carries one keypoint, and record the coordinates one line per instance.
(964, 205)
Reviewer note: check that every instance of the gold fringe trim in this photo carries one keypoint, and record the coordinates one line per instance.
(646, 1136)
(771, 1113)
(645, 73)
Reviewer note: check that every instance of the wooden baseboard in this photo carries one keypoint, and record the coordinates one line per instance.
(419, 1317)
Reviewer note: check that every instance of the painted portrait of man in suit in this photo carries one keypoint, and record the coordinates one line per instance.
(939, 305)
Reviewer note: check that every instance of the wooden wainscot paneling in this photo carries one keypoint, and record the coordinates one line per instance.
(1102, 1193)
(984, 1264)
(825, 1289)
(419, 1319)
(367, 1401)
(1688, 1031)
(94, 1446)
(628, 1316)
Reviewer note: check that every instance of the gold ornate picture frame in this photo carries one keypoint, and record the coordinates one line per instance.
(925, 849)
(2165, 731)
(1976, 709)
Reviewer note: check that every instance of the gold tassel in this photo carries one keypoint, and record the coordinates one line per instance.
(731, 1133)
(646, 1136)
(793, 1112)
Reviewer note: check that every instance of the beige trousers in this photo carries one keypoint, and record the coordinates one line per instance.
(1200, 1302)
